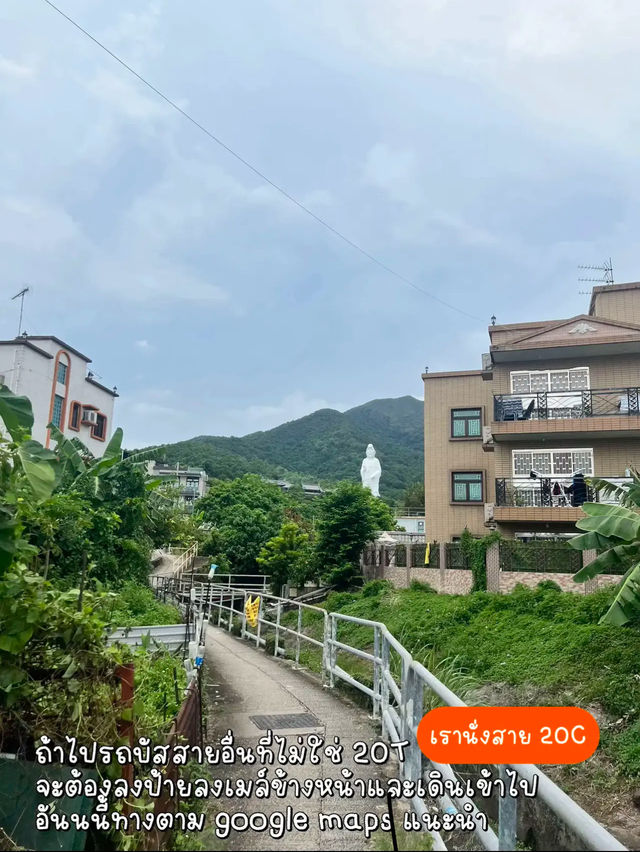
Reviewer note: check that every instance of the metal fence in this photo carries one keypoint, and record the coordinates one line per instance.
(547, 557)
(455, 557)
(400, 690)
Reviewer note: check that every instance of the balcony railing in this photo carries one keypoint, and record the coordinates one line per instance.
(410, 512)
(552, 492)
(554, 405)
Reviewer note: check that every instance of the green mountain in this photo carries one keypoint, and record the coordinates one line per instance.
(324, 447)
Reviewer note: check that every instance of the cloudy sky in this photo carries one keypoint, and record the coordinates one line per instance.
(483, 150)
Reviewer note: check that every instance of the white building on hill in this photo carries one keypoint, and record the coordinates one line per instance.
(62, 390)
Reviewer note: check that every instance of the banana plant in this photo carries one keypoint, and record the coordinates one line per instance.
(79, 465)
(27, 470)
(614, 531)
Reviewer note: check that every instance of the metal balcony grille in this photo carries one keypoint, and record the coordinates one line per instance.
(563, 405)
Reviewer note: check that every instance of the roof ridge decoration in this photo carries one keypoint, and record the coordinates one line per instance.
(584, 323)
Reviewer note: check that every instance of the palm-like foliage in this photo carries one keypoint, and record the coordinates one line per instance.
(614, 532)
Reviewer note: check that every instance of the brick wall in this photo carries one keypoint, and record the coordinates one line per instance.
(508, 580)
(453, 582)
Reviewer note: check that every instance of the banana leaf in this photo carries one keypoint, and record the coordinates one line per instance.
(627, 601)
(590, 541)
(609, 562)
(611, 521)
(39, 466)
(16, 412)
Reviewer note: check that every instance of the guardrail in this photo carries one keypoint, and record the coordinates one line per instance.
(562, 405)
(550, 491)
(401, 691)
(172, 636)
(186, 560)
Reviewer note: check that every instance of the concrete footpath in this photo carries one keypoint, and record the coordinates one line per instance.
(241, 682)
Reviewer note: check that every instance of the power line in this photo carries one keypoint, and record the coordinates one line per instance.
(256, 171)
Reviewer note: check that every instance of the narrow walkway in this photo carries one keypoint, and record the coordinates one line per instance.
(241, 682)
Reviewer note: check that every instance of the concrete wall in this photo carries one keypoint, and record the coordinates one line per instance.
(620, 371)
(32, 373)
(618, 303)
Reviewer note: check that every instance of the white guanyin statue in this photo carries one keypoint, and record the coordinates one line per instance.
(370, 471)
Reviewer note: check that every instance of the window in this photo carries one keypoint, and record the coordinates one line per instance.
(74, 417)
(466, 423)
(552, 462)
(61, 375)
(56, 417)
(536, 381)
(466, 487)
(193, 481)
(99, 430)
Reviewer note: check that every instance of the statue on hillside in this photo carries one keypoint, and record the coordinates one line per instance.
(370, 471)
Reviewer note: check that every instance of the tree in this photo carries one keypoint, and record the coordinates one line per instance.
(614, 531)
(244, 513)
(350, 518)
(285, 557)
(414, 495)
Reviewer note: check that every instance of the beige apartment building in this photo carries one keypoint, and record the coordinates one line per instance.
(507, 446)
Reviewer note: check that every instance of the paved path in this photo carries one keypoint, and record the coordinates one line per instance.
(241, 682)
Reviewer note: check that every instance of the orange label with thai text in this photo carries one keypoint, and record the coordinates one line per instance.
(499, 735)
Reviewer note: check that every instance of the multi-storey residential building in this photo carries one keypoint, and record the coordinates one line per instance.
(62, 390)
(507, 446)
(191, 481)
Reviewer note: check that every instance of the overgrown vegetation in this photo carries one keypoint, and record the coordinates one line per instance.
(475, 551)
(72, 528)
(541, 644)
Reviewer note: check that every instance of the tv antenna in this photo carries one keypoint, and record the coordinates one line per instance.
(20, 296)
(606, 271)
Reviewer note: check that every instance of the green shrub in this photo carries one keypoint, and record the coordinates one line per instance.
(135, 605)
(419, 586)
(548, 586)
(338, 600)
(375, 587)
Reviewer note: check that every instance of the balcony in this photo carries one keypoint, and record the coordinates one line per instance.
(544, 500)
(606, 413)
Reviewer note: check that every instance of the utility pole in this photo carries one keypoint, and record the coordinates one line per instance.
(20, 296)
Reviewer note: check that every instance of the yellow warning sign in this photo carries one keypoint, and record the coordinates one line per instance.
(252, 610)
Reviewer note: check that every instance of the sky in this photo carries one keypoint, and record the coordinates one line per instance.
(481, 150)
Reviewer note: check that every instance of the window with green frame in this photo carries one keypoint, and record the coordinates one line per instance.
(56, 418)
(467, 487)
(466, 423)
(61, 376)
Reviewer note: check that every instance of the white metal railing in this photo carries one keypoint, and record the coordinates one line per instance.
(185, 560)
(397, 695)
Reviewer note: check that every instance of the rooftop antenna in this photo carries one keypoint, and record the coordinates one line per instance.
(20, 296)
(607, 273)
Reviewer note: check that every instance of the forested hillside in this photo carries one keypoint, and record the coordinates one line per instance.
(326, 446)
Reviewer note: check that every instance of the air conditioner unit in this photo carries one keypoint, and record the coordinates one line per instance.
(89, 415)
